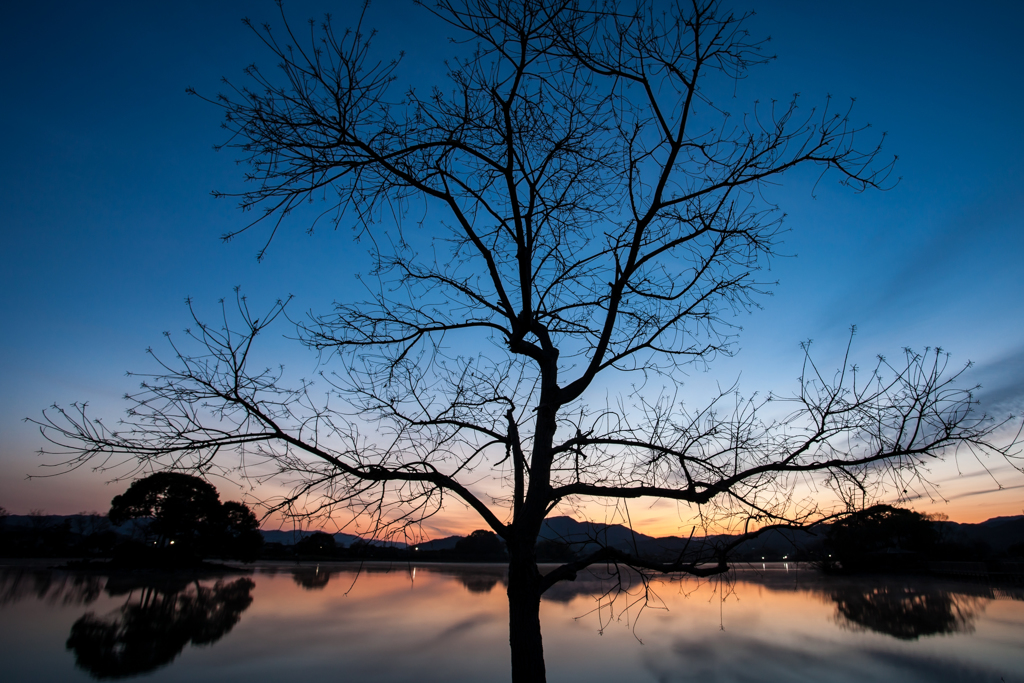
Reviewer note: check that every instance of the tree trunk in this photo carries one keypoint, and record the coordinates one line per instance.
(524, 618)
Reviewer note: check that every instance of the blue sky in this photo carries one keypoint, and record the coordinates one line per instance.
(108, 223)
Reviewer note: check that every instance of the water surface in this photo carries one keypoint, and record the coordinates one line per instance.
(428, 623)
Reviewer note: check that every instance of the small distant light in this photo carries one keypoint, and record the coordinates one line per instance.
(172, 542)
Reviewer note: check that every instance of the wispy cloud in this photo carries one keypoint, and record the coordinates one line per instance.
(983, 492)
(1002, 383)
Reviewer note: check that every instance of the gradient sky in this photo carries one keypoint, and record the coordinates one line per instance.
(108, 223)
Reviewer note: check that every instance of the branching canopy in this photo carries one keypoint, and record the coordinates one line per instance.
(569, 206)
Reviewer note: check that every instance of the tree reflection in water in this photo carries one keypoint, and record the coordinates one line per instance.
(904, 612)
(479, 584)
(51, 587)
(157, 622)
(310, 578)
(149, 632)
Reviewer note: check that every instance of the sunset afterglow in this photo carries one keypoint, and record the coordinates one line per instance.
(109, 226)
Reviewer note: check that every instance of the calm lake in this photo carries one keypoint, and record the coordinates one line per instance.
(428, 623)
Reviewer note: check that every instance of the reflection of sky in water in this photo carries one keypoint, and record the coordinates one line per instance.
(449, 623)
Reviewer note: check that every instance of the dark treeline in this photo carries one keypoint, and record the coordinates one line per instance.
(479, 546)
(881, 538)
(92, 536)
(85, 535)
(167, 519)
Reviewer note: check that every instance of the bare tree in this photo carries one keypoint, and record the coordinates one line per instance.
(572, 206)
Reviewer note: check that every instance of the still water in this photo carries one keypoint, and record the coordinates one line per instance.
(431, 623)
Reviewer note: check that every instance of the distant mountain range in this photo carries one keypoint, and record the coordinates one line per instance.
(292, 537)
(584, 537)
(999, 533)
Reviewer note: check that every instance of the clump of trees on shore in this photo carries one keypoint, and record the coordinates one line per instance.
(165, 519)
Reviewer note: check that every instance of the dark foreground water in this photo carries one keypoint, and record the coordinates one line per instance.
(449, 623)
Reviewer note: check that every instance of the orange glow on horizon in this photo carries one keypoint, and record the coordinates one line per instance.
(661, 518)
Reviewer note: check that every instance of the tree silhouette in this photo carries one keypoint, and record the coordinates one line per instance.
(239, 532)
(570, 211)
(317, 543)
(861, 540)
(185, 512)
(181, 507)
(482, 545)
